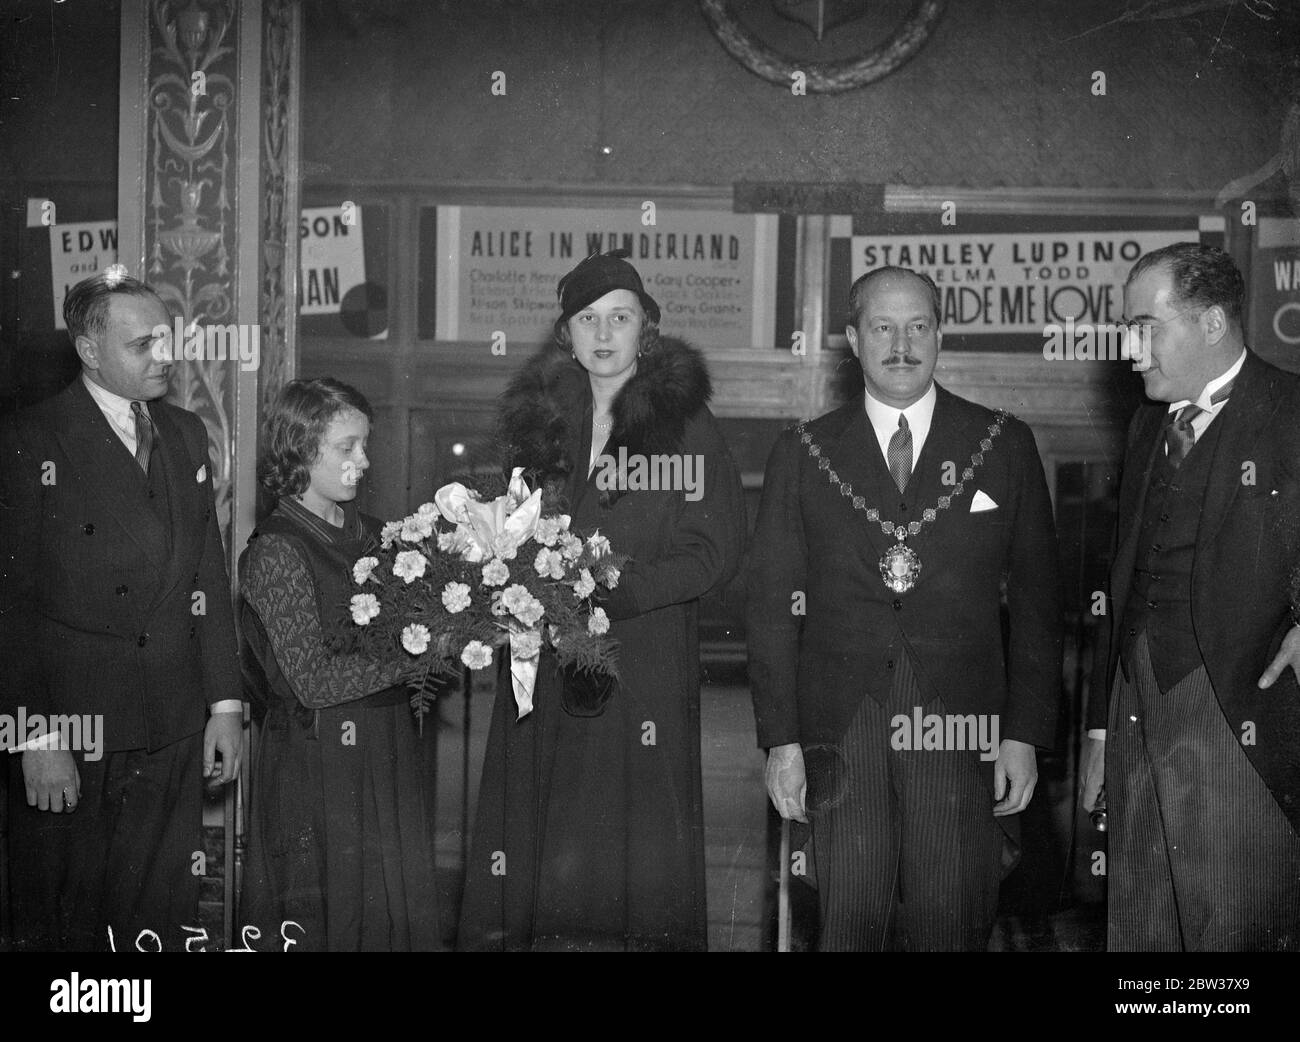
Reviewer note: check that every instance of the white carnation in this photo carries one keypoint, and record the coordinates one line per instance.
(455, 597)
(522, 605)
(531, 614)
(549, 563)
(417, 527)
(409, 565)
(476, 654)
(547, 531)
(415, 638)
(515, 597)
(365, 606)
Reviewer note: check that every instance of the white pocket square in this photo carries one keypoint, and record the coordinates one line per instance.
(981, 502)
(202, 475)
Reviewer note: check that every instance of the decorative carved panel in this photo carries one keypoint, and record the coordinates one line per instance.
(280, 198)
(192, 73)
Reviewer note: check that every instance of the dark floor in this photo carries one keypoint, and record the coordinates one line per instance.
(1044, 907)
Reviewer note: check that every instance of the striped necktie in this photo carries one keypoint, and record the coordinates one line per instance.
(144, 436)
(900, 454)
(1179, 434)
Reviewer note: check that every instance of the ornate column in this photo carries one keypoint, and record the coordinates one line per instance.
(281, 194)
(208, 186)
(207, 213)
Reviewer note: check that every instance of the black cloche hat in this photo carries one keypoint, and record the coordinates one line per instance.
(597, 275)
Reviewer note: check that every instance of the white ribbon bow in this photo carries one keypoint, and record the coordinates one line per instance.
(485, 526)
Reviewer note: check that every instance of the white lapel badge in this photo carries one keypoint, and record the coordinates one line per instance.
(981, 502)
(202, 475)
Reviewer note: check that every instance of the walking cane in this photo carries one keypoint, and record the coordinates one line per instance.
(783, 899)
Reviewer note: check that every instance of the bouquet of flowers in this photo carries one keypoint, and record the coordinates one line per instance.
(461, 576)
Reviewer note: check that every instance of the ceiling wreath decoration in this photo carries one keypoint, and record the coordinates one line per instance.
(824, 77)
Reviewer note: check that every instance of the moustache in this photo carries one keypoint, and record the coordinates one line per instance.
(895, 361)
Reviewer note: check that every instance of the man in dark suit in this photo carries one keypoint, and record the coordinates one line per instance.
(114, 610)
(891, 714)
(1201, 748)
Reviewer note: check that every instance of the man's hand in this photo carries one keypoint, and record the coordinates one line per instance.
(225, 735)
(52, 780)
(1287, 655)
(786, 783)
(1092, 772)
(1014, 775)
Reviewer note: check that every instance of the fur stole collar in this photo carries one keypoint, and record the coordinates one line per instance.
(546, 401)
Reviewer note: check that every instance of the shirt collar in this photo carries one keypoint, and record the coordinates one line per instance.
(885, 417)
(351, 529)
(110, 402)
(1203, 401)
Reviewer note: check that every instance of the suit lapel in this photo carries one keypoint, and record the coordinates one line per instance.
(1133, 492)
(188, 529)
(853, 456)
(948, 440)
(108, 471)
(1244, 419)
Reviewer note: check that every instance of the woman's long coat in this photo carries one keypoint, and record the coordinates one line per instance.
(590, 831)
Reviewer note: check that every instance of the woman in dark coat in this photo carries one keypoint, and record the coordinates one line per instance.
(341, 829)
(590, 832)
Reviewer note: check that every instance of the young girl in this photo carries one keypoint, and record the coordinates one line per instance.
(341, 838)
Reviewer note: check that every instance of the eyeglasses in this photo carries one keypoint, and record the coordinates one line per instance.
(1160, 321)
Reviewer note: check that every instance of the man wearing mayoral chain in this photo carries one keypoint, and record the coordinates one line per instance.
(892, 532)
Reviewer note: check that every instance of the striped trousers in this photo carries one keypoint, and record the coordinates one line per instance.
(1201, 858)
(906, 850)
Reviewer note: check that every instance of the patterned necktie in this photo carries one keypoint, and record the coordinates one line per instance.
(1179, 435)
(900, 454)
(143, 436)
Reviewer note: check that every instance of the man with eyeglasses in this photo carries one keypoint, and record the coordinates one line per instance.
(1201, 745)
